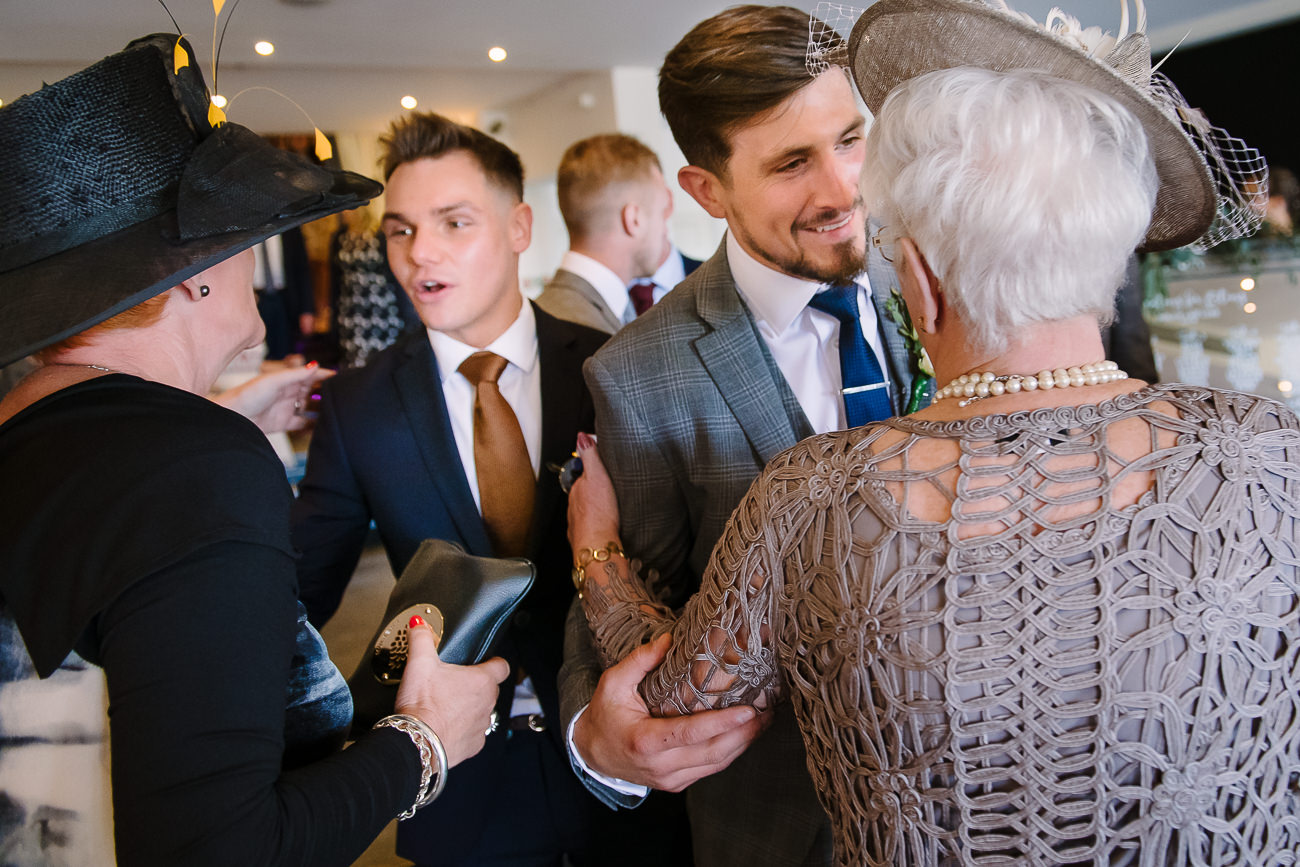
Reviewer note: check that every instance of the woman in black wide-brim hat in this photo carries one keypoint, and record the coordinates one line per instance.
(1054, 617)
(144, 539)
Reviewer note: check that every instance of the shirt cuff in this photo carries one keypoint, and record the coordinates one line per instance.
(623, 787)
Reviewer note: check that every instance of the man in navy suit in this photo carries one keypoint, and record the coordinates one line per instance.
(396, 444)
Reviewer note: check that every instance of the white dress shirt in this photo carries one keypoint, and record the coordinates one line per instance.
(610, 286)
(803, 342)
(268, 264)
(670, 273)
(521, 386)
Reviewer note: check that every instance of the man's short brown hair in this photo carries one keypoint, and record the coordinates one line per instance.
(588, 171)
(728, 70)
(419, 135)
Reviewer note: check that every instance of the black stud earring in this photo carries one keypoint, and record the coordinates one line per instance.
(204, 291)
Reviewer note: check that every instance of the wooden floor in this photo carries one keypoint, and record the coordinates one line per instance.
(346, 635)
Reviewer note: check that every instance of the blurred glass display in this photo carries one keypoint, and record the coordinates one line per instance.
(1229, 318)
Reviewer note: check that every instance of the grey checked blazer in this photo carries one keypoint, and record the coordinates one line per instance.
(568, 296)
(690, 405)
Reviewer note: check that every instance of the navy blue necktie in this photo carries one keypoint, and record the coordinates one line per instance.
(865, 397)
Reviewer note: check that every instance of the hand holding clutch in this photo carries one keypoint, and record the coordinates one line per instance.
(455, 701)
(467, 599)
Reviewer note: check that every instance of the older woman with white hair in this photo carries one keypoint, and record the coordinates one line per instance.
(1052, 618)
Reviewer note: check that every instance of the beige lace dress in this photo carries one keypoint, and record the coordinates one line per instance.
(1018, 639)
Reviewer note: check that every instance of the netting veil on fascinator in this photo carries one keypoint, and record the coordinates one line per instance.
(117, 184)
(1213, 187)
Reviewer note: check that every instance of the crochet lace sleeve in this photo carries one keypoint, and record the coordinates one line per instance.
(722, 651)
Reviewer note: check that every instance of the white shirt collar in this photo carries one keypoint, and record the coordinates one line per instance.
(775, 298)
(671, 272)
(606, 282)
(517, 345)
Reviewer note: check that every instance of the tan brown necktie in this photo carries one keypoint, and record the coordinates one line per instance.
(506, 484)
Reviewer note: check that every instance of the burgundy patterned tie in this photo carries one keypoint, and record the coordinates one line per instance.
(643, 295)
(506, 484)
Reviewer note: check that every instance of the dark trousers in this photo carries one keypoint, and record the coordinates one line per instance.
(543, 817)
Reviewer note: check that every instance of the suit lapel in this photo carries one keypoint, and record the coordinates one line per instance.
(902, 369)
(562, 407)
(590, 293)
(740, 366)
(419, 389)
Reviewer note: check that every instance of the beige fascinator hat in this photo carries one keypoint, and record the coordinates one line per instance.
(1211, 184)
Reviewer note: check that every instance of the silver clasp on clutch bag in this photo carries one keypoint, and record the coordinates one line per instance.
(389, 658)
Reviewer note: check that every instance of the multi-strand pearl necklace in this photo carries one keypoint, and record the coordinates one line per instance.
(977, 386)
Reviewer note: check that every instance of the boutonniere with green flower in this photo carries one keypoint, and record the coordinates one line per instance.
(923, 371)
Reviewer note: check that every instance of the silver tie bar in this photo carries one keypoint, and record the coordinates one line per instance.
(858, 389)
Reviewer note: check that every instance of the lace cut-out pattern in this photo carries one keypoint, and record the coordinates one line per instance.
(1092, 656)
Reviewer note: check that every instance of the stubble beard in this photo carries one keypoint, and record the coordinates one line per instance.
(840, 266)
(846, 261)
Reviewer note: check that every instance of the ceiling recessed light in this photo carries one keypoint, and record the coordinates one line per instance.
(218, 100)
(496, 54)
(1250, 307)
(409, 102)
(264, 48)
(1247, 283)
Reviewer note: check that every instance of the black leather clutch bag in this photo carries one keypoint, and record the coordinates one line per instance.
(466, 599)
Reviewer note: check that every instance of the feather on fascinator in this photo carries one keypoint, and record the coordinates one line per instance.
(117, 186)
(1213, 187)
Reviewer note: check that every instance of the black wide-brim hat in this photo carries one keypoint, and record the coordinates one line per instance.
(114, 187)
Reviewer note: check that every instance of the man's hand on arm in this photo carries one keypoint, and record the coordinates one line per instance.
(617, 737)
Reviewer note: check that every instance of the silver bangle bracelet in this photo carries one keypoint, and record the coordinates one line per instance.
(432, 780)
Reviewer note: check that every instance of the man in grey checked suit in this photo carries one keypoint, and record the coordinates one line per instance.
(616, 207)
(693, 398)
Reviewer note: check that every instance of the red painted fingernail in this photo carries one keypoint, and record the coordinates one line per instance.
(585, 441)
(417, 620)
(312, 365)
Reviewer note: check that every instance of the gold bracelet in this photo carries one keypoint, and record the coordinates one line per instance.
(586, 556)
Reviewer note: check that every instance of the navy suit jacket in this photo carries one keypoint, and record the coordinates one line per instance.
(384, 450)
(689, 265)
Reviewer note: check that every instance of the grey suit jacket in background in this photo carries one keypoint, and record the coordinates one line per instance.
(568, 296)
(690, 406)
